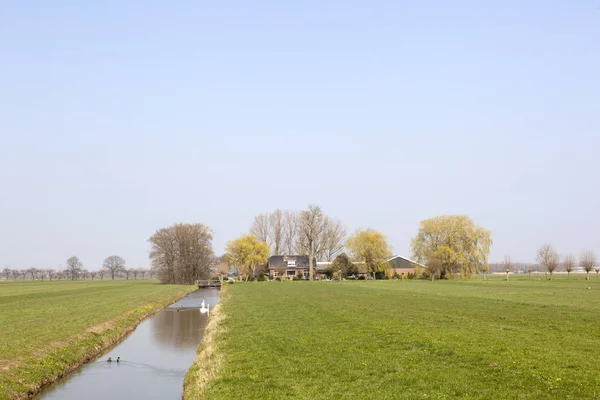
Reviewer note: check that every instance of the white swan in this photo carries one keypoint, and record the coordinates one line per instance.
(205, 308)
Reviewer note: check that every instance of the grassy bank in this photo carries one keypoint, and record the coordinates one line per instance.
(47, 328)
(414, 339)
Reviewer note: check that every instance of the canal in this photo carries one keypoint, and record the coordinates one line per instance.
(154, 358)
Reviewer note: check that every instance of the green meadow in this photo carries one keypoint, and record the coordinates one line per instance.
(46, 328)
(526, 338)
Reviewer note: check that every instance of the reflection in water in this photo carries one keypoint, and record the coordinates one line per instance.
(155, 357)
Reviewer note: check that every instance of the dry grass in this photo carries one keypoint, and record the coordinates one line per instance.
(210, 359)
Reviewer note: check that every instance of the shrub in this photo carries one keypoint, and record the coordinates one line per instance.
(261, 278)
(278, 279)
(361, 278)
(396, 276)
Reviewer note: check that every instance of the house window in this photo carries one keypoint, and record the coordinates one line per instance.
(291, 263)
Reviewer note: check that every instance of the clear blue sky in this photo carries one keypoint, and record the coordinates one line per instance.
(119, 118)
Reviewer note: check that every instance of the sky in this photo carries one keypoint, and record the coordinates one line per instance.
(120, 118)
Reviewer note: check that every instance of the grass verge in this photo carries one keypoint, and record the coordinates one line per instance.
(207, 365)
(524, 338)
(50, 328)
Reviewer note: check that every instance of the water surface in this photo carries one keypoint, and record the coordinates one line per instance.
(155, 357)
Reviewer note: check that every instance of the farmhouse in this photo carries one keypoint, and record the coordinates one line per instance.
(289, 266)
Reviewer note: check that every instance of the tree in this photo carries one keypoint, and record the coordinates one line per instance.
(222, 267)
(246, 253)
(290, 231)
(31, 272)
(74, 267)
(128, 272)
(588, 262)
(456, 241)
(311, 228)
(434, 267)
(343, 264)
(548, 258)
(6, 272)
(281, 271)
(261, 228)
(508, 265)
(569, 264)
(370, 247)
(113, 265)
(334, 240)
(182, 253)
(50, 273)
(276, 231)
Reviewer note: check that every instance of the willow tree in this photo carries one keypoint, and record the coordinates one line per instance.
(461, 246)
(548, 258)
(246, 253)
(370, 247)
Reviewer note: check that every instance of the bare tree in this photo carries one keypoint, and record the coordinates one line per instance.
(113, 265)
(434, 266)
(508, 265)
(143, 272)
(101, 273)
(31, 272)
(182, 253)
(569, 264)
(50, 273)
(311, 228)
(6, 272)
(588, 262)
(277, 232)
(74, 267)
(261, 228)
(548, 258)
(222, 267)
(290, 234)
(334, 239)
(128, 272)
(92, 274)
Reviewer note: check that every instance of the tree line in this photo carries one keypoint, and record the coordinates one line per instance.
(112, 267)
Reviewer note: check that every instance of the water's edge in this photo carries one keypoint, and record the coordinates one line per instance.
(208, 360)
(105, 341)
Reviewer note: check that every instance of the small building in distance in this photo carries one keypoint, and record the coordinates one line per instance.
(293, 265)
(401, 265)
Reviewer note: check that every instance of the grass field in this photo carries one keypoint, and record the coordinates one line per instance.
(413, 339)
(47, 327)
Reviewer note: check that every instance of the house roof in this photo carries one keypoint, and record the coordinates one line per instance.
(275, 262)
(406, 259)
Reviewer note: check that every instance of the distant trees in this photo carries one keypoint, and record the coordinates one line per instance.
(456, 241)
(309, 232)
(344, 265)
(74, 266)
(588, 262)
(370, 247)
(182, 253)
(113, 265)
(247, 253)
(569, 264)
(548, 258)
